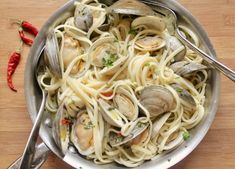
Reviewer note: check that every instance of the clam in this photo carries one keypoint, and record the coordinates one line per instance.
(60, 128)
(111, 114)
(82, 134)
(100, 53)
(116, 139)
(83, 18)
(71, 50)
(126, 104)
(184, 68)
(130, 7)
(157, 100)
(150, 43)
(141, 138)
(157, 125)
(103, 55)
(116, 65)
(185, 96)
(174, 44)
(152, 22)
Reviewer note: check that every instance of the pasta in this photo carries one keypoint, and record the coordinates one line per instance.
(129, 90)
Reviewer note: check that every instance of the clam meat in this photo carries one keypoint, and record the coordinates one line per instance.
(135, 136)
(72, 49)
(82, 134)
(150, 43)
(126, 104)
(152, 22)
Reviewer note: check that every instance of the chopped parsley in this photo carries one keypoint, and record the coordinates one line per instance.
(119, 138)
(132, 31)
(89, 125)
(115, 40)
(147, 64)
(111, 108)
(186, 135)
(109, 60)
(179, 90)
(139, 124)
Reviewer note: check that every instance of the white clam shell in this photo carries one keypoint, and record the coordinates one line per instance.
(75, 141)
(60, 132)
(111, 114)
(153, 22)
(126, 103)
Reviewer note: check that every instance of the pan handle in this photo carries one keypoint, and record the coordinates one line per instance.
(41, 154)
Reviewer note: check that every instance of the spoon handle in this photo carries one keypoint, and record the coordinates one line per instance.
(41, 154)
(29, 150)
(212, 62)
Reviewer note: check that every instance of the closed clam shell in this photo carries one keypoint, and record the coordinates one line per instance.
(157, 100)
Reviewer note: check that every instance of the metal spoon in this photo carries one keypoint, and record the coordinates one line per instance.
(174, 30)
(130, 7)
(51, 60)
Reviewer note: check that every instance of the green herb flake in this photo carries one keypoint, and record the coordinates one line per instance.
(80, 167)
(119, 138)
(186, 135)
(147, 64)
(132, 31)
(115, 41)
(139, 124)
(179, 90)
(111, 108)
(89, 126)
(109, 60)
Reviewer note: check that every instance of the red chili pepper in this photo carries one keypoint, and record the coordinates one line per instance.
(24, 38)
(65, 122)
(12, 65)
(107, 94)
(28, 27)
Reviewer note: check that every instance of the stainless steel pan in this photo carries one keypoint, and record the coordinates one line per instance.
(33, 97)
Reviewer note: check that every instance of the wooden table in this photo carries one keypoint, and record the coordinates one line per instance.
(217, 150)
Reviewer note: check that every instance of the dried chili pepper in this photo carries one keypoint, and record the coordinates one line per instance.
(28, 27)
(24, 38)
(12, 65)
(107, 94)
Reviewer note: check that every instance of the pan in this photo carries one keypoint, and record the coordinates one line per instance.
(33, 98)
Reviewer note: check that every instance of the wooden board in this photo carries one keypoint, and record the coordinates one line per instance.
(217, 150)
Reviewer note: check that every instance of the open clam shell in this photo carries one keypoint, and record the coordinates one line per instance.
(174, 44)
(132, 7)
(60, 129)
(126, 104)
(150, 43)
(116, 139)
(184, 68)
(83, 18)
(112, 115)
(185, 96)
(114, 68)
(82, 134)
(153, 22)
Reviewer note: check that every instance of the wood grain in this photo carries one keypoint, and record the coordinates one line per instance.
(217, 149)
